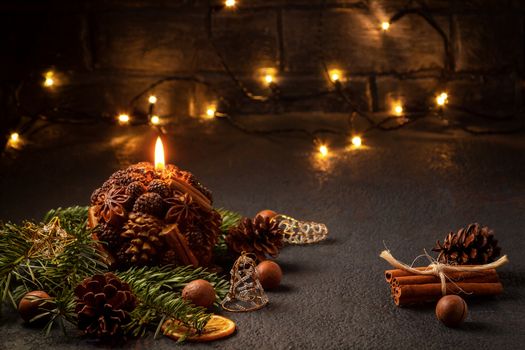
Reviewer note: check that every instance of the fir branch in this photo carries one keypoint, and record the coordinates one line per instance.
(72, 219)
(229, 219)
(23, 268)
(14, 249)
(155, 307)
(173, 279)
(159, 292)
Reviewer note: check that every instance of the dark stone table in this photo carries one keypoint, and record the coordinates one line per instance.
(404, 190)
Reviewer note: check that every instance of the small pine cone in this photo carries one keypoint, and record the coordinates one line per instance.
(259, 236)
(135, 190)
(108, 234)
(472, 245)
(125, 177)
(143, 243)
(150, 203)
(147, 170)
(160, 187)
(96, 196)
(103, 305)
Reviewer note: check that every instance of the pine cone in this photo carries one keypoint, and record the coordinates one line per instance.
(260, 236)
(135, 189)
(143, 243)
(160, 187)
(108, 234)
(203, 235)
(473, 245)
(103, 306)
(149, 203)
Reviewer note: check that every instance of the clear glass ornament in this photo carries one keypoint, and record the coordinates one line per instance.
(301, 232)
(246, 293)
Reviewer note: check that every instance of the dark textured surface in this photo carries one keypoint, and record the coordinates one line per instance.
(404, 190)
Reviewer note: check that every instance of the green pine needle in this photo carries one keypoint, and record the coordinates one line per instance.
(229, 219)
(159, 292)
(158, 289)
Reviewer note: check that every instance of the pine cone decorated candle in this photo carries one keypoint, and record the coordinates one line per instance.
(136, 204)
(103, 306)
(260, 236)
(472, 245)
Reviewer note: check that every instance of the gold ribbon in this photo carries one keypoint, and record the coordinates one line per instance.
(439, 269)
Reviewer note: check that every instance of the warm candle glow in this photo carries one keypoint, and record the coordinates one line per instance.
(323, 150)
(152, 99)
(398, 109)
(442, 99)
(335, 75)
(155, 120)
(385, 26)
(123, 118)
(159, 155)
(49, 80)
(210, 112)
(356, 141)
(14, 137)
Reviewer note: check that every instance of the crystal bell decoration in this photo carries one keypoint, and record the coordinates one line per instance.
(301, 232)
(246, 292)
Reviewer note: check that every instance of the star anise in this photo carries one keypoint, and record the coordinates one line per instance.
(112, 204)
(182, 208)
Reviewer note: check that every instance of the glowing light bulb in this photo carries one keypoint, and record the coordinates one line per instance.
(335, 75)
(442, 99)
(210, 112)
(159, 155)
(398, 109)
(356, 141)
(152, 99)
(49, 80)
(268, 78)
(14, 137)
(123, 118)
(155, 120)
(230, 3)
(323, 150)
(385, 26)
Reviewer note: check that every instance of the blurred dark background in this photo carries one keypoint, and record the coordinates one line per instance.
(104, 53)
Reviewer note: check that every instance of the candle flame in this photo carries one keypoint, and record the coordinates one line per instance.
(159, 155)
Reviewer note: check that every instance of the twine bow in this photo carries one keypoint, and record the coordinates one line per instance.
(439, 269)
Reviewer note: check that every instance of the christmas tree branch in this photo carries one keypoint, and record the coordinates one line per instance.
(159, 292)
(229, 219)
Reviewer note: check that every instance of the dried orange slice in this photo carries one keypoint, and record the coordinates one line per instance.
(218, 327)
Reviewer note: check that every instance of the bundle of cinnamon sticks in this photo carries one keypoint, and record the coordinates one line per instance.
(408, 288)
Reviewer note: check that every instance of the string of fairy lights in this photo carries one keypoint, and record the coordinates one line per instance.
(397, 117)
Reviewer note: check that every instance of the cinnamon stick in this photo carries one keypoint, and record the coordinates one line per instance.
(390, 274)
(198, 197)
(420, 293)
(178, 242)
(488, 276)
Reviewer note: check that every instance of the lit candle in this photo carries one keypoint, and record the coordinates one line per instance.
(159, 155)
